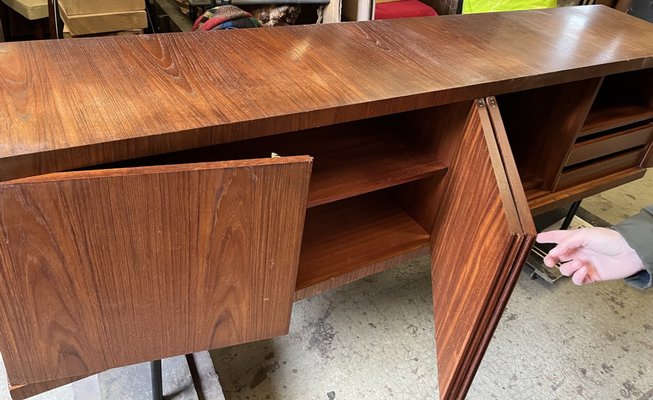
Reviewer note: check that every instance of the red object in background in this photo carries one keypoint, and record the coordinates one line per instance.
(402, 9)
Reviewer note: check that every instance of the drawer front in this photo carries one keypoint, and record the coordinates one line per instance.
(100, 269)
(610, 144)
(573, 176)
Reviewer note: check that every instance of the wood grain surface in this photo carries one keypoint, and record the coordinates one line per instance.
(482, 216)
(100, 269)
(585, 172)
(605, 118)
(69, 104)
(541, 201)
(354, 238)
(647, 159)
(623, 99)
(543, 125)
(507, 166)
(21, 392)
(105, 268)
(611, 143)
(439, 133)
(349, 159)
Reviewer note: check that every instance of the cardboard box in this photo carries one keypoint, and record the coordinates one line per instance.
(68, 35)
(30, 9)
(86, 24)
(79, 7)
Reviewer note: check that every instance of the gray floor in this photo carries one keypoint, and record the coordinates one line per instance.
(373, 339)
(131, 382)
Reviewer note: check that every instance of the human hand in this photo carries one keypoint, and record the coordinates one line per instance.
(591, 254)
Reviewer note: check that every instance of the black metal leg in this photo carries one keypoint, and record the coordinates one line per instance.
(157, 380)
(570, 214)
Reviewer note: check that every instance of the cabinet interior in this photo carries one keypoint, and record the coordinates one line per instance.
(353, 238)
(602, 129)
(375, 185)
(532, 117)
(366, 211)
(616, 132)
(621, 100)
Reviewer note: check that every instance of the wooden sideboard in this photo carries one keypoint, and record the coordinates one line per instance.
(142, 215)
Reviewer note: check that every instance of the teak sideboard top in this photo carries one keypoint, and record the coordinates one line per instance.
(71, 104)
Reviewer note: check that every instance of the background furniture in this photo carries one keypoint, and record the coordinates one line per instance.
(93, 17)
(146, 219)
(167, 17)
(402, 9)
(639, 8)
(24, 19)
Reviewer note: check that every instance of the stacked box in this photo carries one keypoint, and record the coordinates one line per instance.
(68, 35)
(89, 17)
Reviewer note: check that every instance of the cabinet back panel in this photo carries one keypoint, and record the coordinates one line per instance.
(439, 131)
(542, 125)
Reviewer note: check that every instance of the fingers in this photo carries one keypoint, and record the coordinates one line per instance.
(580, 276)
(559, 254)
(550, 261)
(568, 242)
(568, 269)
(577, 270)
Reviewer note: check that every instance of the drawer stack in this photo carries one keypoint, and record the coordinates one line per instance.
(616, 133)
(92, 17)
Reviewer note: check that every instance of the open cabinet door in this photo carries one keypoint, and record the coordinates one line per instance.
(480, 240)
(100, 269)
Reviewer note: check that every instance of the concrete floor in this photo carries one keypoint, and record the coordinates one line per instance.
(126, 383)
(373, 339)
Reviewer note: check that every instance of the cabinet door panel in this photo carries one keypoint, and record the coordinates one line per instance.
(100, 269)
(480, 239)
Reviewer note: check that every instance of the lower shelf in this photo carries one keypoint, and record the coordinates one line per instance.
(350, 239)
(541, 201)
(604, 166)
(613, 116)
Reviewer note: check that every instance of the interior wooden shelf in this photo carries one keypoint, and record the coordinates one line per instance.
(613, 116)
(349, 159)
(540, 201)
(375, 162)
(354, 238)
